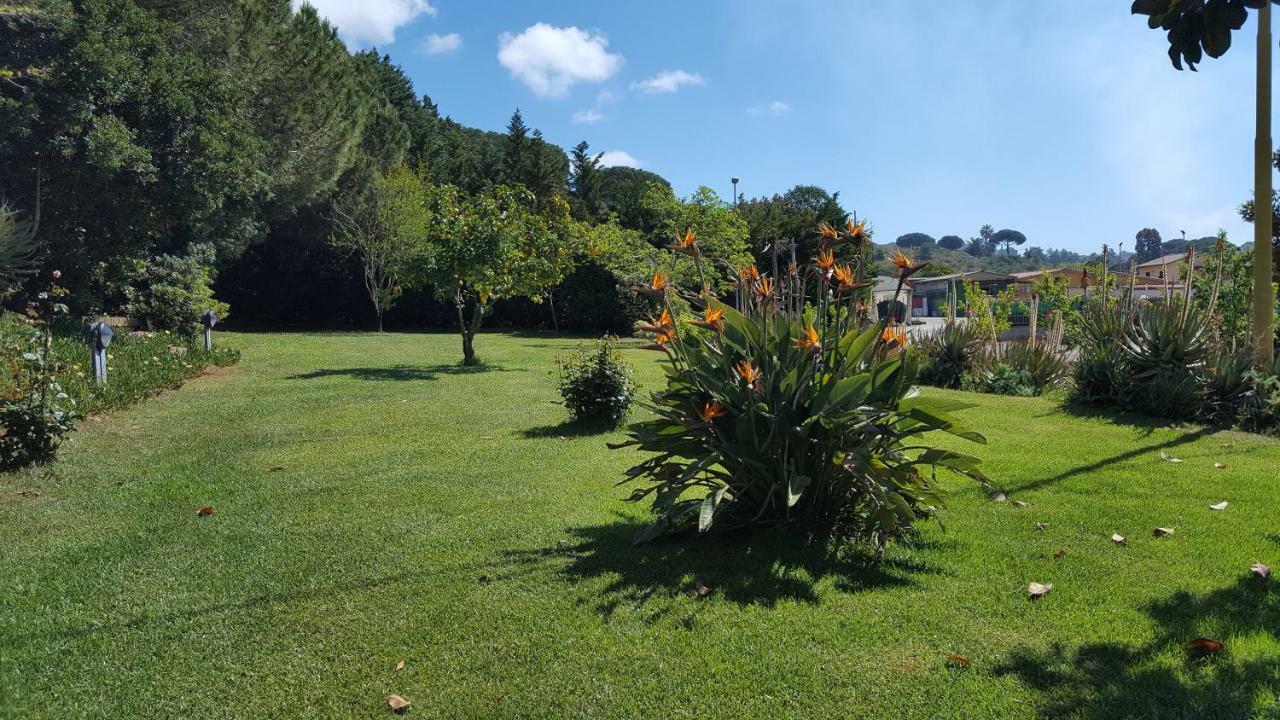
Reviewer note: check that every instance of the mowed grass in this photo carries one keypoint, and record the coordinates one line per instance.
(375, 502)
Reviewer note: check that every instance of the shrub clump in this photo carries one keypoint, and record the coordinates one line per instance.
(793, 410)
(171, 291)
(36, 413)
(597, 385)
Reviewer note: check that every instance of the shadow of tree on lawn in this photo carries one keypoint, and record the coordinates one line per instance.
(401, 372)
(566, 429)
(762, 567)
(1164, 679)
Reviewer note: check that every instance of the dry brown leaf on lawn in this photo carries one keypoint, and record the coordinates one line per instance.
(566, 438)
(1206, 645)
(1262, 571)
(1040, 526)
(1020, 503)
(397, 703)
(1220, 466)
(1061, 553)
(205, 511)
(700, 588)
(399, 666)
(1219, 506)
(999, 496)
(958, 661)
(1168, 458)
(1117, 538)
(1161, 532)
(1037, 590)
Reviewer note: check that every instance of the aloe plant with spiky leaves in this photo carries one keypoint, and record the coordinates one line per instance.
(790, 407)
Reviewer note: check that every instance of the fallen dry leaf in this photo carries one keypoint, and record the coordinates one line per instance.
(700, 588)
(958, 660)
(999, 497)
(1262, 571)
(1117, 538)
(1161, 532)
(1040, 526)
(1220, 466)
(1219, 506)
(1168, 458)
(1061, 553)
(1035, 590)
(566, 438)
(397, 703)
(1020, 503)
(205, 511)
(399, 666)
(1206, 645)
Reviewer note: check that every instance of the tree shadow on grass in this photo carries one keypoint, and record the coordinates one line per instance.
(401, 372)
(1164, 678)
(751, 568)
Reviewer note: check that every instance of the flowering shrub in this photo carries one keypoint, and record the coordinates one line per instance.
(789, 407)
(596, 384)
(35, 411)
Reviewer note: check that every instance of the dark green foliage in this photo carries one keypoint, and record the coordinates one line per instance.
(597, 385)
(951, 242)
(999, 379)
(170, 292)
(1102, 368)
(36, 413)
(914, 240)
(792, 216)
(1196, 25)
(623, 191)
(1166, 348)
(585, 194)
(1148, 245)
(1228, 382)
(949, 354)
(1020, 368)
(1008, 238)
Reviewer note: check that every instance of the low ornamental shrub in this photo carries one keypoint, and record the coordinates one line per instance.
(171, 291)
(597, 384)
(949, 354)
(790, 413)
(36, 413)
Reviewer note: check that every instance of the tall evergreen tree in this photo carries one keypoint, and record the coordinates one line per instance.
(1149, 246)
(585, 183)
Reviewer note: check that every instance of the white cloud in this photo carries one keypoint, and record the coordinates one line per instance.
(606, 98)
(667, 82)
(434, 44)
(550, 59)
(369, 21)
(590, 116)
(777, 107)
(615, 158)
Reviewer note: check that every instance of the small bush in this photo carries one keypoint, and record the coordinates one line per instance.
(1166, 348)
(1020, 368)
(1102, 370)
(36, 413)
(949, 354)
(171, 291)
(597, 384)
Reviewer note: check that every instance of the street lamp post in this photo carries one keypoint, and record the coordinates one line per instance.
(734, 179)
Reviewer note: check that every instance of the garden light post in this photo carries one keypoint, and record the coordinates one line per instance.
(1263, 312)
(208, 318)
(100, 339)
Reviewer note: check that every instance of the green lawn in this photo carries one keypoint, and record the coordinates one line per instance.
(375, 502)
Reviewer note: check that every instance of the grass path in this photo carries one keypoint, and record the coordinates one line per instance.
(376, 502)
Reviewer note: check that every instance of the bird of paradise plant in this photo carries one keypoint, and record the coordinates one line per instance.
(796, 409)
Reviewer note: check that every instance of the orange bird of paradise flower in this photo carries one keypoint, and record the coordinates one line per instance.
(843, 274)
(826, 231)
(857, 231)
(688, 243)
(764, 287)
(747, 372)
(808, 340)
(712, 319)
(710, 411)
(894, 334)
(749, 273)
(905, 264)
(660, 280)
(826, 259)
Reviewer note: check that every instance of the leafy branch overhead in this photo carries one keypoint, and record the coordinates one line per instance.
(1196, 27)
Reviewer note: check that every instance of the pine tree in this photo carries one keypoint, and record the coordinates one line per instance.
(585, 182)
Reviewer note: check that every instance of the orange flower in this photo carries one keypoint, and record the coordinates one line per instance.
(857, 231)
(808, 340)
(710, 411)
(712, 319)
(749, 273)
(747, 372)
(663, 325)
(843, 274)
(688, 244)
(894, 334)
(826, 231)
(764, 287)
(660, 281)
(905, 264)
(826, 259)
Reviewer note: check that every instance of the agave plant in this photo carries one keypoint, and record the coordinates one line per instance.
(1102, 371)
(948, 354)
(785, 412)
(1166, 350)
(1022, 368)
(1229, 381)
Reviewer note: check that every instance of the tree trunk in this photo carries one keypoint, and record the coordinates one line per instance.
(468, 349)
(1263, 299)
(551, 300)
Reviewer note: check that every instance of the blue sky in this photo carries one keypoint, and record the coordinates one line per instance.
(1063, 120)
